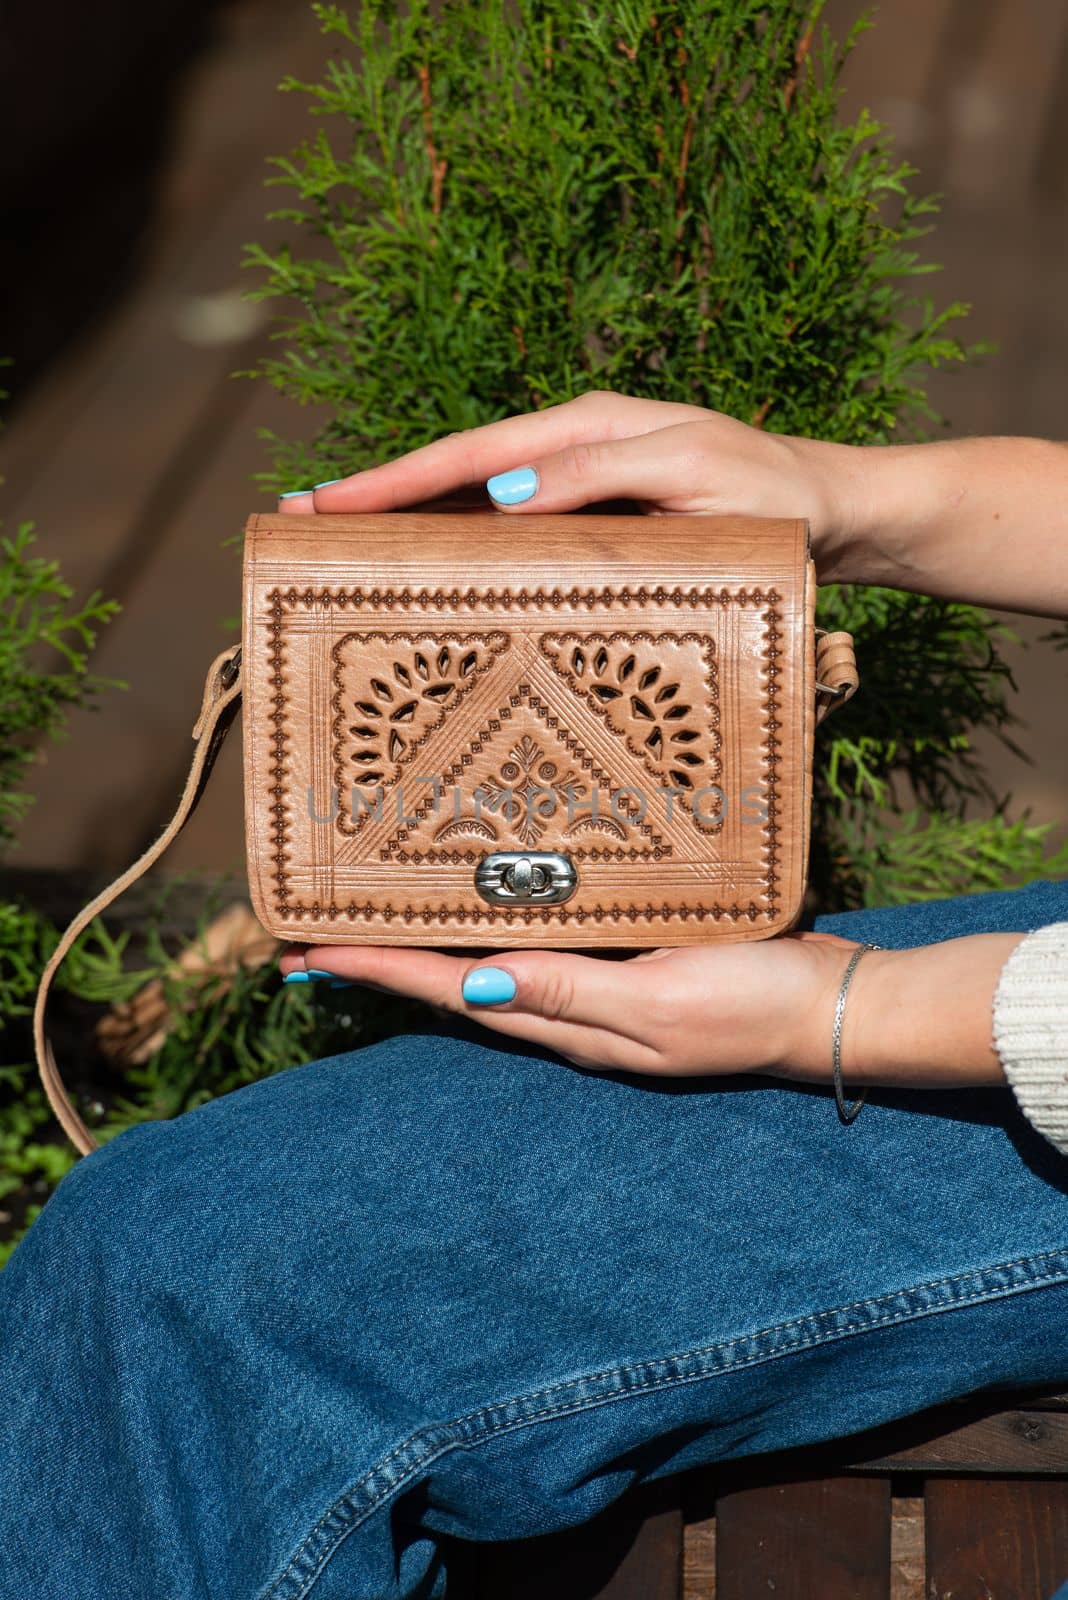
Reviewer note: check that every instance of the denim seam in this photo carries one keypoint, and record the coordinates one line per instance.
(488, 1422)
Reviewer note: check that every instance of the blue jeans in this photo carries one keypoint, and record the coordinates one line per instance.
(273, 1348)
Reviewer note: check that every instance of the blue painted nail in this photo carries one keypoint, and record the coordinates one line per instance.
(313, 972)
(488, 986)
(326, 483)
(296, 977)
(343, 983)
(511, 488)
(291, 494)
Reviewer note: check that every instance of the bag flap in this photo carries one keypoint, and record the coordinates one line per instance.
(424, 690)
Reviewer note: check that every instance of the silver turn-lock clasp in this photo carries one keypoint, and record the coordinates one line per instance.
(526, 878)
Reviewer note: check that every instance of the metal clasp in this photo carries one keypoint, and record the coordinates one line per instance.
(524, 878)
(229, 670)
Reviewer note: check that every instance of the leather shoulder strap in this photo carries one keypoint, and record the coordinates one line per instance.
(222, 697)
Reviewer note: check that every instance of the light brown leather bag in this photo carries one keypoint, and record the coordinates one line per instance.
(498, 730)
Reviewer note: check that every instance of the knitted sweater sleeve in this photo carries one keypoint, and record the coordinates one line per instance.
(1031, 1029)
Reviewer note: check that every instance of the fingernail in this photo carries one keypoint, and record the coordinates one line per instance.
(314, 972)
(297, 977)
(342, 983)
(488, 986)
(511, 488)
(291, 494)
(326, 483)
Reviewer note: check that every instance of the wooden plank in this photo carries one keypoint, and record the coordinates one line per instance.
(632, 1551)
(1013, 1397)
(699, 1560)
(955, 36)
(137, 460)
(906, 1553)
(974, 93)
(996, 1540)
(907, 1548)
(796, 1540)
(1049, 178)
(110, 787)
(652, 1567)
(1013, 1442)
(87, 456)
(894, 63)
(1047, 1402)
(968, 88)
(59, 896)
(997, 114)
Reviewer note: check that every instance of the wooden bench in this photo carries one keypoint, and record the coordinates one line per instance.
(988, 1476)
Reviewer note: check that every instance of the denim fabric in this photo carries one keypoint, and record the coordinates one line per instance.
(1002, 911)
(271, 1349)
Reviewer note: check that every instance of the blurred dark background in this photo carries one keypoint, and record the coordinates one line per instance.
(132, 175)
(90, 96)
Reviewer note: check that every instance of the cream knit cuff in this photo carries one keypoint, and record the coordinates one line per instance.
(1031, 1029)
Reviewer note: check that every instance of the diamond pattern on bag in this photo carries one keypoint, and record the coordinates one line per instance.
(523, 782)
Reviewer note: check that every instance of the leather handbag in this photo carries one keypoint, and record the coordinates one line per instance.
(486, 730)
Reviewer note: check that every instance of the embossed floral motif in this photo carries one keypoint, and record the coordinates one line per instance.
(392, 690)
(657, 692)
(528, 788)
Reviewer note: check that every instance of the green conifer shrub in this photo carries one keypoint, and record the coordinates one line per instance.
(45, 641)
(228, 1031)
(511, 202)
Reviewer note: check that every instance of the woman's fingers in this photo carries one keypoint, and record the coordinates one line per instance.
(670, 466)
(479, 454)
(583, 1007)
(559, 986)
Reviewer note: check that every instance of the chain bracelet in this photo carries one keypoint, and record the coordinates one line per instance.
(847, 1113)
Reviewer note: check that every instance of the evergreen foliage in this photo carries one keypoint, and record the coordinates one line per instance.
(44, 672)
(511, 202)
(38, 620)
(506, 205)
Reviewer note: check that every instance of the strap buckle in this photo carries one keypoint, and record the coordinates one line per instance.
(228, 672)
(223, 674)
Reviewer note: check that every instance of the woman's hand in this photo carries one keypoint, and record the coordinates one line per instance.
(766, 1006)
(914, 1017)
(666, 457)
(980, 520)
(926, 517)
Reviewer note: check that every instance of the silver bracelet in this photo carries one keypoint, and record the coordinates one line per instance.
(846, 1113)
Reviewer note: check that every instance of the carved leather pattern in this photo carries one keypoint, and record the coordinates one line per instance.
(771, 745)
(391, 691)
(452, 601)
(536, 772)
(454, 661)
(655, 690)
